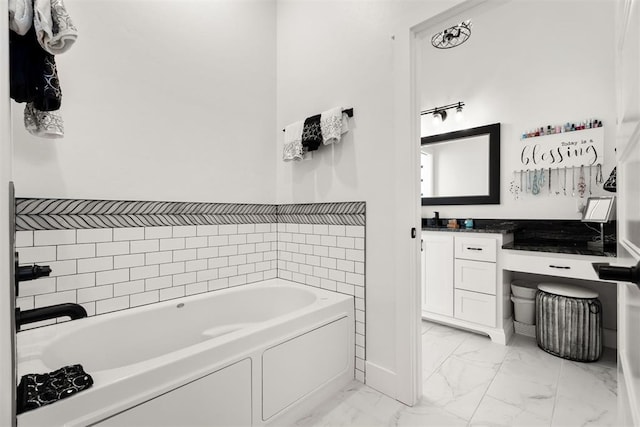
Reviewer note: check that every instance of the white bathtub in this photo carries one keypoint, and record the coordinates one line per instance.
(252, 355)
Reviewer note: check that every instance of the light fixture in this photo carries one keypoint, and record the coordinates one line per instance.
(440, 113)
(459, 114)
(439, 116)
(452, 36)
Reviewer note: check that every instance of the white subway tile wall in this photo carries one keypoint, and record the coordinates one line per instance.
(325, 256)
(110, 269)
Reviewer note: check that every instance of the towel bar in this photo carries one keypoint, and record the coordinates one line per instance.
(347, 111)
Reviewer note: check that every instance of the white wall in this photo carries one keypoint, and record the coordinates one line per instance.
(162, 100)
(527, 64)
(334, 53)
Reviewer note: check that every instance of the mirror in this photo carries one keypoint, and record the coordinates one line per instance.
(461, 167)
(599, 209)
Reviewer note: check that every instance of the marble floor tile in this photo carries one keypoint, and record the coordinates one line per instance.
(480, 350)
(438, 343)
(527, 379)
(355, 405)
(586, 396)
(458, 386)
(468, 380)
(494, 412)
(425, 414)
(524, 360)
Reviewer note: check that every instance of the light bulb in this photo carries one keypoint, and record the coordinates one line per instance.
(459, 114)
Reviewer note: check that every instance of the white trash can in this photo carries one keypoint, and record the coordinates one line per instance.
(524, 289)
(524, 310)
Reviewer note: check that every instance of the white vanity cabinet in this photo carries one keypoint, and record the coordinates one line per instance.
(462, 284)
(437, 276)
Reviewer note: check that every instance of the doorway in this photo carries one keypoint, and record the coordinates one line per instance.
(453, 76)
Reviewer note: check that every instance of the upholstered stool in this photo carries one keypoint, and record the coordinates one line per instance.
(569, 322)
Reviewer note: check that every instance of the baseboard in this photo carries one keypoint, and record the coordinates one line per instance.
(381, 379)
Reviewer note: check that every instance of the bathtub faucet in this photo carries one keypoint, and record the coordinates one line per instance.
(74, 311)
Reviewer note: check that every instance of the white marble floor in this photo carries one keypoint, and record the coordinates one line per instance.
(470, 381)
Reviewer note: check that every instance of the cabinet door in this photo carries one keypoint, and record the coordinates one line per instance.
(475, 276)
(437, 286)
(476, 307)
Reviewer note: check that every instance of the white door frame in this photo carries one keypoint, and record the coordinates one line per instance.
(7, 371)
(407, 166)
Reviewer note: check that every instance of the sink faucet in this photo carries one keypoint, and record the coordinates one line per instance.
(74, 311)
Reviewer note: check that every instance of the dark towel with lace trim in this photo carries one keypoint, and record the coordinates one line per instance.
(32, 73)
(36, 390)
(311, 133)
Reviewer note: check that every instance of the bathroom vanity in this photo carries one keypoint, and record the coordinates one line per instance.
(462, 282)
(466, 275)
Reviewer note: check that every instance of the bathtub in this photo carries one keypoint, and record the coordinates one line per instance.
(259, 354)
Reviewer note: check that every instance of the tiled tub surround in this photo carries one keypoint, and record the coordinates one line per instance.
(115, 255)
(323, 245)
(108, 269)
(329, 257)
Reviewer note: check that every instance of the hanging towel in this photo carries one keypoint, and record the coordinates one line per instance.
(32, 73)
(54, 29)
(293, 142)
(42, 21)
(36, 390)
(311, 133)
(48, 96)
(333, 124)
(45, 124)
(20, 16)
(22, 68)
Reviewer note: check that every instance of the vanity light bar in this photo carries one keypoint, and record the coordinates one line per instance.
(442, 111)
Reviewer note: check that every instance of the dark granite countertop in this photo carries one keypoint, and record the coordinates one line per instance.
(565, 247)
(493, 230)
(554, 236)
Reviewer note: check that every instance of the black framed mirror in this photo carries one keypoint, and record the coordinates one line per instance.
(461, 167)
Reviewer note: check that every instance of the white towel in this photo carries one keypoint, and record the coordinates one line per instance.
(45, 124)
(293, 142)
(333, 124)
(54, 29)
(20, 16)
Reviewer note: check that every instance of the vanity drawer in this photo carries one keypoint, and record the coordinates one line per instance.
(476, 248)
(477, 276)
(552, 265)
(475, 307)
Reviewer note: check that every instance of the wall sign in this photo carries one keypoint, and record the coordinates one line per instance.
(577, 148)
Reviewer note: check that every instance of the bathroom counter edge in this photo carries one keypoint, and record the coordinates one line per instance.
(558, 249)
(472, 230)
